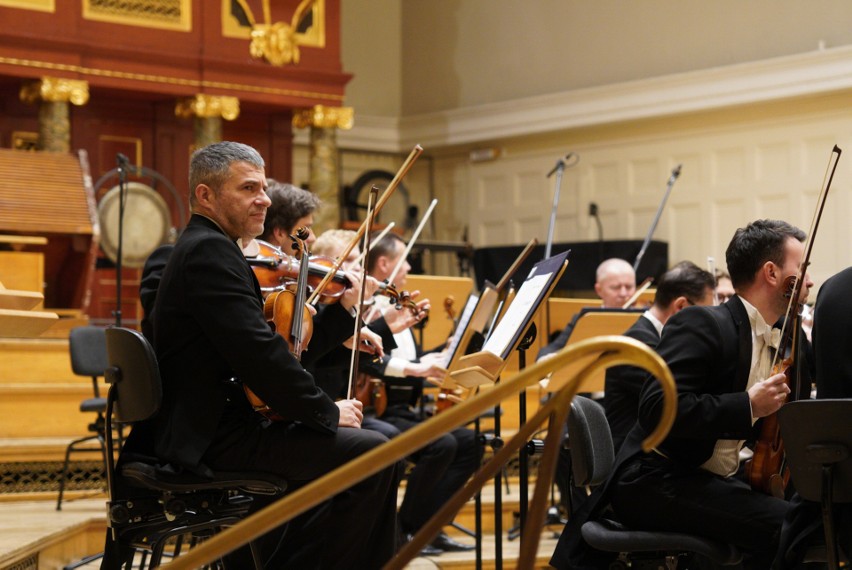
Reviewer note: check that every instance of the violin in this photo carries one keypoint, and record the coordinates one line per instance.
(287, 314)
(275, 270)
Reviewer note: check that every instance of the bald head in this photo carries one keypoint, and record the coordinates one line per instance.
(615, 282)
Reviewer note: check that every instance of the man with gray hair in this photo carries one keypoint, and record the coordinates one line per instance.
(209, 330)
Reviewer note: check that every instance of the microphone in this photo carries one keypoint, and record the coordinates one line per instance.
(560, 164)
(675, 173)
(121, 159)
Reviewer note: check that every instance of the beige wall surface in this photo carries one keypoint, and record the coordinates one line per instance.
(463, 53)
(748, 96)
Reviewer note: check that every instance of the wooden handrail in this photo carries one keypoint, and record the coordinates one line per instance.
(615, 351)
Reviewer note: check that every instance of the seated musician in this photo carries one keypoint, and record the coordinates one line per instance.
(683, 285)
(724, 287)
(209, 328)
(720, 358)
(615, 283)
(443, 466)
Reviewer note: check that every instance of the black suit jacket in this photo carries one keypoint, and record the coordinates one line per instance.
(209, 328)
(623, 385)
(832, 337)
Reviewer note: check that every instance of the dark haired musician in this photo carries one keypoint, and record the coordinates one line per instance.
(720, 357)
(210, 328)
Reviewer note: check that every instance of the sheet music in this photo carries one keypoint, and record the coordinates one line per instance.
(464, 321)
(527, 300)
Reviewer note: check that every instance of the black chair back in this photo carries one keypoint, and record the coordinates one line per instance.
(133, 373)
(87, 346)
(590, 441)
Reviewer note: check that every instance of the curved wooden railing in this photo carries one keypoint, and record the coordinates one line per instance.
(613, 351)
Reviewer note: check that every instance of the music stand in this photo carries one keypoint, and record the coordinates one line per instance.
(592, 322)
(817, 437)
(484, 367)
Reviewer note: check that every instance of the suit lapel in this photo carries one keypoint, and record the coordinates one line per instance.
(741, 322)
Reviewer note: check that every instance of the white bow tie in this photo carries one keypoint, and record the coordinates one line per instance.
(771, 337)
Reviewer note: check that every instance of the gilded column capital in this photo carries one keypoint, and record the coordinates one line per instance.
(56, 90)
(324, 117)
(208, 106)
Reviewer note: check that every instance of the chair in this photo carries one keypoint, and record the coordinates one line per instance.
(87, 346)
(817, 437)
(169, 504)
(592, 460)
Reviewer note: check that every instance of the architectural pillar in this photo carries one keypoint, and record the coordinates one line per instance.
(53, 95)
(207, 112)
(324, 178)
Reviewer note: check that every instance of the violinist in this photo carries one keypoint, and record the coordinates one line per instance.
(332, 370)
(720, 357)
(209, 329)
(724, 287)
(443, 466)
(291, 208)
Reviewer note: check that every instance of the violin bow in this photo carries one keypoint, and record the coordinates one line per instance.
(403, 170)
(411, 242)
(796, 291)
(652, 229)
(376, 240)
(354, 360)
(711, 268)
(639, 290)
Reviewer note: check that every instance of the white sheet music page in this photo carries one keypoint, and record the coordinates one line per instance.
(499, 342)
(462, 325)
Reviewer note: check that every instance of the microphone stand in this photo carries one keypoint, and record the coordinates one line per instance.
(121, 161)
(672, 178)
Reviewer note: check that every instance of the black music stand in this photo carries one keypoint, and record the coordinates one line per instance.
(817, 438)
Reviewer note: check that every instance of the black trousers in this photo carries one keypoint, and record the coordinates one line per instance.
(355, 529)
(441, 468)
(655, 493)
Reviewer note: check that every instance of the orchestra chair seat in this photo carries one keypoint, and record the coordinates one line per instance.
(817, 436)
(159, 503)
(87, 347)
(592, 461)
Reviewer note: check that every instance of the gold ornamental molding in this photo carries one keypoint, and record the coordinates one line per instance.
(324, 117)
(276, 43)
(163, 79)
(56, 90)
(207, 106)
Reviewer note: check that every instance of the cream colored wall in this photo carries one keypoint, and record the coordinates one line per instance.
(745, 101)
(738, 165)
(465, 53)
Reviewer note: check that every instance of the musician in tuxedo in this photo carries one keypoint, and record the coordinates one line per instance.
(210, 329)
(720, 358)
(615, 283)
(443, 466)
(682, 286)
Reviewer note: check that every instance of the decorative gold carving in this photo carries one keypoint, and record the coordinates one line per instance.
(275, 43)
(166, 80)
(56, 90)
(324, 117)
(308, 22)
(206, 106)
(157, 14)
(40, 5)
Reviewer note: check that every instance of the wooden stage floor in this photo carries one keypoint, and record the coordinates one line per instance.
(54, 538)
